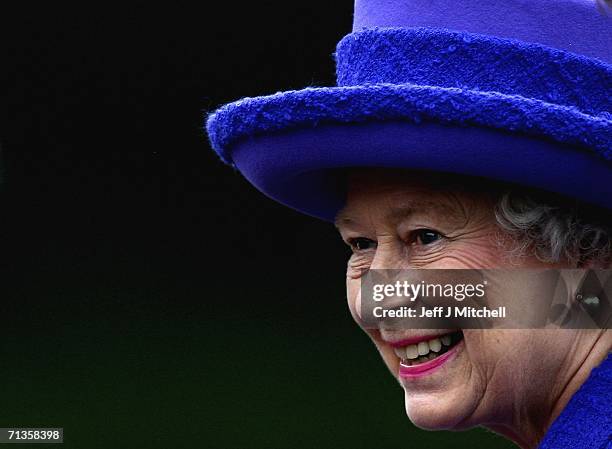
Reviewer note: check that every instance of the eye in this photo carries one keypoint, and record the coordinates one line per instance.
(424, 237)
(361, 244)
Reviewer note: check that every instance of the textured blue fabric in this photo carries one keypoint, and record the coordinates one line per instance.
(578, 26)
(435, 57)
(314, 106)
(586, 422)
(298, 167)
(552, 108)
(529, 94)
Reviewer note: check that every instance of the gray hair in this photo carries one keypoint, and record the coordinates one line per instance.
(553, 230)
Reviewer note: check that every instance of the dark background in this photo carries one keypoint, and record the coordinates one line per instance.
(151, 297)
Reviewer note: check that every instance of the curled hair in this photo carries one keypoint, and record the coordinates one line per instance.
(554, 230)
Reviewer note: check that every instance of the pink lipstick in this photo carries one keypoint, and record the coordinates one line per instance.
(425, 368)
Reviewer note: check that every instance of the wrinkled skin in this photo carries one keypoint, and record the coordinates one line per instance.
(514, 382)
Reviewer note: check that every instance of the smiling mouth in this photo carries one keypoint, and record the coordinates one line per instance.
(424, 351)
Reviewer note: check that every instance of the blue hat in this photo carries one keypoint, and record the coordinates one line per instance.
(517, 91)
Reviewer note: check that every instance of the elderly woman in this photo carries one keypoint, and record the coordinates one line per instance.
(454, 140)
(515, 382)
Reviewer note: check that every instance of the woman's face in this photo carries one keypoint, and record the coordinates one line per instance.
(396, 219)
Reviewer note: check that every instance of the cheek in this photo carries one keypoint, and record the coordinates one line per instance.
(353, 290)
(484, 346)
(473, 255)
(508, 360)
(356, 266)
(491, 348)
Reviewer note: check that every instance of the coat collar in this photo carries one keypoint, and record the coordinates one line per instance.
(586, 421)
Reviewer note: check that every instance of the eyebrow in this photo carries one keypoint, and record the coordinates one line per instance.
(342, 218)
(401, 212)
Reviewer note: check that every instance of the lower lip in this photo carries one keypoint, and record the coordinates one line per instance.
(423, 369)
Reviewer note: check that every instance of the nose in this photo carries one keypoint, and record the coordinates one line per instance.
(391, 254)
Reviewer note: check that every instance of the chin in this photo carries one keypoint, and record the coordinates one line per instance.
(436, 411)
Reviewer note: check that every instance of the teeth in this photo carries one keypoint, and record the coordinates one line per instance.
(423, 348)
(412, 352)
(435, 345)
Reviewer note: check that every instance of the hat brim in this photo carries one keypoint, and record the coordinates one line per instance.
(289, 145)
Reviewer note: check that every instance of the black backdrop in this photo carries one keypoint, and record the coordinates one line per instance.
(151, 297)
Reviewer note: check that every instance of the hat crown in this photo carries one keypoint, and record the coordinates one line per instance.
(513, 90)
(578, 26)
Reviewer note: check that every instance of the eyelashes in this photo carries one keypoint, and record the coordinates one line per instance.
(426, 236)
(420, 237)
(361, 244)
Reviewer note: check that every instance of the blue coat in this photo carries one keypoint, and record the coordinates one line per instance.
(586, 422)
